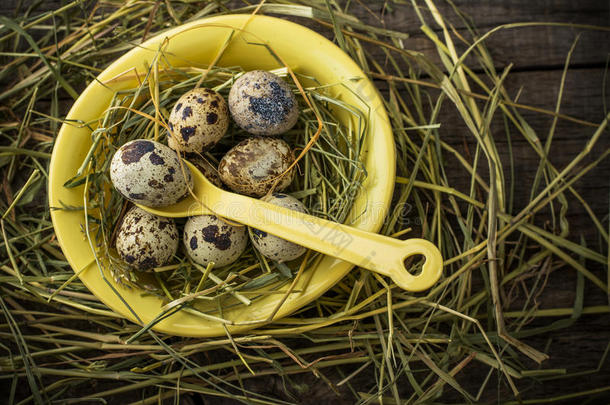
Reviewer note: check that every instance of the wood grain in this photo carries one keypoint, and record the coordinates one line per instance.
(537, 54)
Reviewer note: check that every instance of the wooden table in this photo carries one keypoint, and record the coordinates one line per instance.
(537, 55)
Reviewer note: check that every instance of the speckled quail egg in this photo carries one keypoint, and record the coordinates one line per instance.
(252, 165)
(271, 246)
(198, 121)
(209, 239)
(146, 240)
(149, 173)
(263, 104)
(207, 169)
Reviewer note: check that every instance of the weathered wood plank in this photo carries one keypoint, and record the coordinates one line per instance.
(538, 47)
(487, 13)
(542, 48)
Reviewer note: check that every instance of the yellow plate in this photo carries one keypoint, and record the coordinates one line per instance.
(197, 44)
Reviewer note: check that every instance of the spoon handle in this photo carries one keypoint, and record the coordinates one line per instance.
(378, 253)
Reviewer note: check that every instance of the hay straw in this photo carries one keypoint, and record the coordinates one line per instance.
(365, 338)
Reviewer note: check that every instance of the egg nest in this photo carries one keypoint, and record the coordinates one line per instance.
(327, 179)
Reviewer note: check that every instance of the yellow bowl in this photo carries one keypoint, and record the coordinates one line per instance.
(197, 44)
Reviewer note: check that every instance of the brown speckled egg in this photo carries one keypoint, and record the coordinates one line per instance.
(149, 173)
(198, 121)
(263, 104)
(145, 240)
(271, 246)
(207, 169)
(209, 239)
(252, 165)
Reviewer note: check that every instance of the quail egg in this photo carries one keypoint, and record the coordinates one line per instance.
(271, 246)
(207, 169)
(149, 173)
(146, 240)
(198, 121)
(209, 239)
(252, 166)
(263, 104)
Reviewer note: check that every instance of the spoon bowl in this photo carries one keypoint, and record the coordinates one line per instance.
(197, 43)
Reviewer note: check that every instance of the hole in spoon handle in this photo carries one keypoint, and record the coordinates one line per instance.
(431, 269)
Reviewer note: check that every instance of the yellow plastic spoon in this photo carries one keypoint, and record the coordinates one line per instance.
(378, 253)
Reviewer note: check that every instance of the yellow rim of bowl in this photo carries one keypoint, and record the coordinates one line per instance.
(198, 42)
